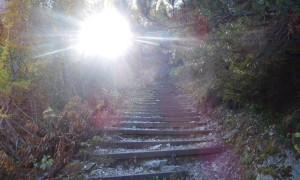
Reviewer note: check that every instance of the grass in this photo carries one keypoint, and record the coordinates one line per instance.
(246, 159)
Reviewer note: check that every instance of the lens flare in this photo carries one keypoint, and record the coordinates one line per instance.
(106, 34)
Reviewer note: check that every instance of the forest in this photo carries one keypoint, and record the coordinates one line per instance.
(238, 56)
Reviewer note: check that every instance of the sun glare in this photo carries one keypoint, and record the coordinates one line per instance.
(106, 34)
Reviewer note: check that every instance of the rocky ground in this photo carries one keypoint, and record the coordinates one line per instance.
(264, 153)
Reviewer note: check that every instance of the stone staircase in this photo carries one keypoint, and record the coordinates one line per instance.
(158, 136)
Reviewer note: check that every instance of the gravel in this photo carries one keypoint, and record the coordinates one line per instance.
(119, 170)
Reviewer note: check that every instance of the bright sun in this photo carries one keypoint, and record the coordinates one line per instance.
(106, 34)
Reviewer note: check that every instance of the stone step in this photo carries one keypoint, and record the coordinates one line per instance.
(154, 132)
(141, 144)
(144, 101)
(160, 153)
(147, 176)
(158, 119)
(157, 98)
(159, 116)
(157, 110)
(160, 125)
(163, 114)
(156, 105)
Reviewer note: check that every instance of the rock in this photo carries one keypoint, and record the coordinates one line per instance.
(88, 166)
(72, 167)
(292, 161)
(202, 128)
(230, 134)
(238, 126)
(44, 176)
(264, 177)
(156, 147)
(271, 132)
(94, 174)
(117, 137)
(75, 161)
(172, 168)
(113, 137)
(155, 164)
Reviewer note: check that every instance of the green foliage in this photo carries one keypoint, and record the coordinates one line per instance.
(250, 60)
(296, 147)
(96, 138)
(4, 79)
(93, 141)
(269, 171)
(175, 72)
(71, 106)
(86, 144)
(2, 115)
(246, 159)
(46, 162)
(296, 138)
(47, 96)
(49, 114)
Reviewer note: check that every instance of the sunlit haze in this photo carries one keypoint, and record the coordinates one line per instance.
(105, 34)
(150, 89)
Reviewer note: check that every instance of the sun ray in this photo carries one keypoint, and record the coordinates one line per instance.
(147, 42)
(53, 52)
(165, 38)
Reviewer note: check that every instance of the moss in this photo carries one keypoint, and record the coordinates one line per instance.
(284, 141)
(269, 149)
(249, 175)
(286, 171)
(246, 159)
(269, 171)
(239, 142)
(262, 157)
(231, 121)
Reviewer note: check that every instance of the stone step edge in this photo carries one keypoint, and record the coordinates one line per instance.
(162, 153)
(146, 176)
(154, 132)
